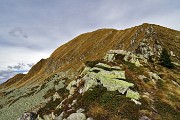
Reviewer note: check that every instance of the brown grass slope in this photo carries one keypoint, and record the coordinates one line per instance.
(22, 79)
(12, 80)
(94, 45)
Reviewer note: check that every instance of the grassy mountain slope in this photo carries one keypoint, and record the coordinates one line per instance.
(68, 61)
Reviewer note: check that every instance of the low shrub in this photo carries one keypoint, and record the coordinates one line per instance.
(91, 95)
(160, 84)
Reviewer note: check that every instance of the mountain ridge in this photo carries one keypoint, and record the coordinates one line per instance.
(55, 56)
(126, 52)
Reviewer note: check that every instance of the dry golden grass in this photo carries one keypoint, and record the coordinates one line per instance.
(98, 112)
(12, 81)
(115, 117)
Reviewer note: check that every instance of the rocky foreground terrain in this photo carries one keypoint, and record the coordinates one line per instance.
(108, 74)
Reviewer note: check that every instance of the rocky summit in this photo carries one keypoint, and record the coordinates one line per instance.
(107, 74)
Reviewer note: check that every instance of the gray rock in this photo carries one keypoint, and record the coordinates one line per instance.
(77, 116)
(142, 77)
(136, 102)
(28, 116)
(154, 76)
(90, 118)
(47, 117)
(60, 117)
(80, 110)
(109, 57)
(144, 118)
(56, 96)
(172, 54)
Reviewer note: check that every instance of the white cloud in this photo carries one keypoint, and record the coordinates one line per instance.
(14, 55)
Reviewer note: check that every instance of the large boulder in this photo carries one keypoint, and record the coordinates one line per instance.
(111, 77)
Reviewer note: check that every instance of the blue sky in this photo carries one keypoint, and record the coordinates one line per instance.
(33, 29)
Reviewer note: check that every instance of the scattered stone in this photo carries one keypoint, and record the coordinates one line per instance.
(69, 105)
(77, 116)
(71, 84)
(56, 96)
(80, 110)
(53, 116)
(90, 118)
(80, 91)
(144, 118)
(172, 54)
(153, 76)
(47, 117)
(136, 102)
(144, 78)
(74, 102)
(109, 57)
(28, 116)
(175, 63)
(60, 117)
(39, 118)
(175, 83)
(137, 63)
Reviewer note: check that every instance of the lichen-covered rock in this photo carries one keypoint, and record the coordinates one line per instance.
(129, 56)
(146, 49)
(109, 57)
(71, 84)
(114, 84)
(56, 96)
(132, 94)
(110, 77)
(105, 66)
(72, 87)
(77, 116)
